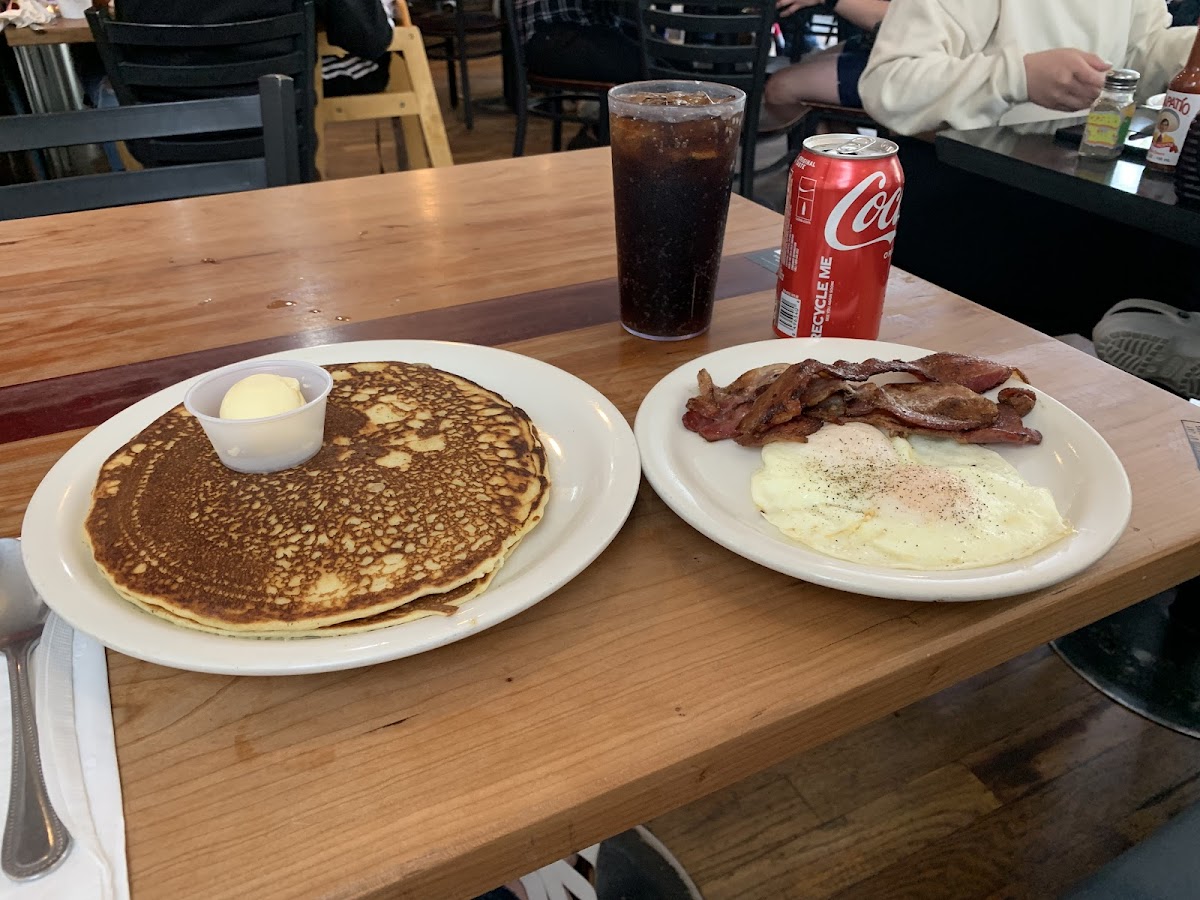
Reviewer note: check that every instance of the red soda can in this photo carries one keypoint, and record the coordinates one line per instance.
(839, 223)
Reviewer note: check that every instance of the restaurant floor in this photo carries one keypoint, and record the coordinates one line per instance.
(1014, 784)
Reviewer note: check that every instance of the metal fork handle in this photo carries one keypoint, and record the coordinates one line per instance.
(35, 839)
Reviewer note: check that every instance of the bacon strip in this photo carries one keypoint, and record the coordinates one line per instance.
(953, 368)
(782, 402)
(1009, 429)
(714, 412)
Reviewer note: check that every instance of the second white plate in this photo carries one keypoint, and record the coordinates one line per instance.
(708, 485)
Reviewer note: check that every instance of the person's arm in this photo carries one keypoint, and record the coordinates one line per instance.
(928, 67)
(1155, 49)
(357, 26)
(866, 14)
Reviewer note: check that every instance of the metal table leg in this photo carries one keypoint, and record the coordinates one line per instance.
(1147, 657)
(53, 86)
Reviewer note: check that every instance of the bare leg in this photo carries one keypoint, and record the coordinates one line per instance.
(814, 78)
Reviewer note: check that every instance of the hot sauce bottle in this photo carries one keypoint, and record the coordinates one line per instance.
(1179, 108)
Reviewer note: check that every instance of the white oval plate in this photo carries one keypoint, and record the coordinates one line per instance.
(594, 474)
(708, 485)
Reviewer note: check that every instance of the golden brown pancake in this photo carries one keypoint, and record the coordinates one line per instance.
(425, 482)
(445, 604)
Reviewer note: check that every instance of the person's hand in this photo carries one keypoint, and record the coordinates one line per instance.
(787, 7)
(1064, 79)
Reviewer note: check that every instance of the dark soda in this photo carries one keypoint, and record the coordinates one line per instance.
(673, 152)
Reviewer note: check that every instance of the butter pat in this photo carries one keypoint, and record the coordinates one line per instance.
(260, 395)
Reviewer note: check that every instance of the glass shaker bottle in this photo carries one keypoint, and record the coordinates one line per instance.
(1109, 119)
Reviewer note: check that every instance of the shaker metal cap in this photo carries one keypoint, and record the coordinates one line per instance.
(1122, 79)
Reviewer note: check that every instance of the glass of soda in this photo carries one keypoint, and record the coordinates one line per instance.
(674, 144)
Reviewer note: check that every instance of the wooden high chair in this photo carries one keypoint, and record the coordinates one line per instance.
(409, 97)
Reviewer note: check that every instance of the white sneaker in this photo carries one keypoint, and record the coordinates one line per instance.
(567, 879)
(633, 865)
(1153, 341)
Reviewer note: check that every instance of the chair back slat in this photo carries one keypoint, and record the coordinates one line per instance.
(179, 152)
(134, 34)
(219, 75)
(273, 111)
(692, 23)
(62, 195)
(127, 123)
(658, 50)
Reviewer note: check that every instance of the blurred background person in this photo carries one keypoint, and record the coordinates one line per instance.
(975, 63)
(343, 76)
(829, 75)
(979, 63)
(586, 40)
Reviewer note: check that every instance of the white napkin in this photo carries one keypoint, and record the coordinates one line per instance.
(20, 13)
(79, 756)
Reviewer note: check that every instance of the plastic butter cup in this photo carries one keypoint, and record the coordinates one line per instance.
(271, 443)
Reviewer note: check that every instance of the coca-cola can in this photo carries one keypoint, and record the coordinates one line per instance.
(843, 200)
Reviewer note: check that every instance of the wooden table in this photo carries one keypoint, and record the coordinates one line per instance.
(1032, 159)
(668, 669)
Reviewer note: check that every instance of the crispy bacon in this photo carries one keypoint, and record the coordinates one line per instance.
(782, 402)
(935, 407)
(1019, 399)
(714, 412)
(798, 429)
(953, 368)
(794, 390)
(1009, 429)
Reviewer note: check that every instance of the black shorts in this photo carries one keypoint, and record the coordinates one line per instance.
(850, 65)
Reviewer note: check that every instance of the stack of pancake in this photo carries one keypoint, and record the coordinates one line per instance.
(425, 484)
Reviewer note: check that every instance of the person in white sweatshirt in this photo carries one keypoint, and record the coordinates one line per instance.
(975, 63)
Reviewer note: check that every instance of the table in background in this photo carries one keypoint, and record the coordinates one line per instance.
(668, 669)
(1146, 658)
(56, 33)
(1030, 158)
(51, 83)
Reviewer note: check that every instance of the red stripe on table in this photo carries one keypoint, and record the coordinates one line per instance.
(86, 399)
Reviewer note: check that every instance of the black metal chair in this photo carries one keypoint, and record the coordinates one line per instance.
(710, 40)
(552, 94)
(452, 32)
(160, 63)
(273, 112)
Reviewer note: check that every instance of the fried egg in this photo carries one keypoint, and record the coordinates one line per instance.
(855, 494)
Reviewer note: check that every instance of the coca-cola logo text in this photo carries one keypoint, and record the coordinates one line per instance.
(868, 221)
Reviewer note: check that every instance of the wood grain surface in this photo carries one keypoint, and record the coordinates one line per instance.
(668, 669)
(215, 271)
(1013, 784)
(85, 399)
(60, 31)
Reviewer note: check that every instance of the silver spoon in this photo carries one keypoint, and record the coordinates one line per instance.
(35, 839)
